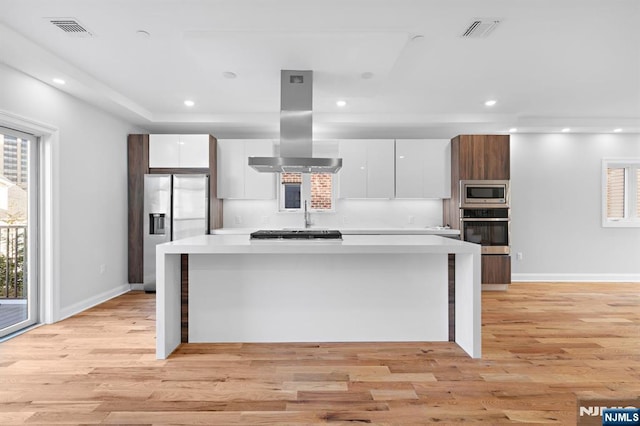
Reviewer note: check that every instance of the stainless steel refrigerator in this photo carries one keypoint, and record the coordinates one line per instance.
(175, 207)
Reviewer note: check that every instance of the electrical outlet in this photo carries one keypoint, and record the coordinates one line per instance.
(238, 220)
(265, 220)
(519, 255)
(102, 268)
(412, 220)
(345, 220)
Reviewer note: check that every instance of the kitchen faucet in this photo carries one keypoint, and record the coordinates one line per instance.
(307, 216)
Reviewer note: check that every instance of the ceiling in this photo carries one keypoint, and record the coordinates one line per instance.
(549, 64)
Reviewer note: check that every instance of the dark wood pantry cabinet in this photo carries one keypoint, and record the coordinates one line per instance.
(479, 157)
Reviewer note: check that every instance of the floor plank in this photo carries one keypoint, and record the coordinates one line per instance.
(544, 345)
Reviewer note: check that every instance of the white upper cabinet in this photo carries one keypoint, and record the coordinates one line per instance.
(178, 151)
(367, 168)
(236, 180)
(423, 168)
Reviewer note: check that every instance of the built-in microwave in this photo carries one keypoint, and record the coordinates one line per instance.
(484, 193)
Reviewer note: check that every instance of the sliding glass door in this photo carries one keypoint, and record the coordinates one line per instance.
(18, 231)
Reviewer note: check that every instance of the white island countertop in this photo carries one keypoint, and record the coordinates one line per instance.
(360, 244)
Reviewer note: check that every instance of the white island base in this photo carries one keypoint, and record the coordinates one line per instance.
(365, 288)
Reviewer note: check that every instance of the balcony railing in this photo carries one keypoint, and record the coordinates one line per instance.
(12, 261)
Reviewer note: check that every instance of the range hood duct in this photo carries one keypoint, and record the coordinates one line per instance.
(296, 122)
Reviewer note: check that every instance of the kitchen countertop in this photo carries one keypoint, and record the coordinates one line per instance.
(354, 231)
(240, 243)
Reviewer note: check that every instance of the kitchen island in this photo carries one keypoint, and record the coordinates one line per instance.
(361, 288)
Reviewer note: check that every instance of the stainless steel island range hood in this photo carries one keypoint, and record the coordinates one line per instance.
(296, 155)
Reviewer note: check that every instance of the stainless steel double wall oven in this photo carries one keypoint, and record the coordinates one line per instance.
(485, 214)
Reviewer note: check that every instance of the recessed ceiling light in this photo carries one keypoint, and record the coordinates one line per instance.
(229, 74)
(189, 103)
(490, 102)
(566, 129)
(367, 75)
(341, 103)
(617, 130)
(513, 130)
(59, 81)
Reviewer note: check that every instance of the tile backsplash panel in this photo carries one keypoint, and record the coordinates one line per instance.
(348, 214)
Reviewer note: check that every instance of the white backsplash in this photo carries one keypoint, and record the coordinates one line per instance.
(348, 214)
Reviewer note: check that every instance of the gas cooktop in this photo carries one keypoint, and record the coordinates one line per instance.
(296, 234)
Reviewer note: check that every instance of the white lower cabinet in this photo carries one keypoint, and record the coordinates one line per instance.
(367, 168)
(236, 180)
(423, 168)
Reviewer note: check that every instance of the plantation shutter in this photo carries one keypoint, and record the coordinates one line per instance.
(615, 193)
(638, 193)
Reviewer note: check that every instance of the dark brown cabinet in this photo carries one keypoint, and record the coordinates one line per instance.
(496, 269)
(482, 157)
(479, 157)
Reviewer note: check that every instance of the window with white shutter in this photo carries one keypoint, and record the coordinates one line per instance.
(637, 194)
(621, 192)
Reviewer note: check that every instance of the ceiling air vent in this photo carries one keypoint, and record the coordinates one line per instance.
(71, 27)
(480, 28)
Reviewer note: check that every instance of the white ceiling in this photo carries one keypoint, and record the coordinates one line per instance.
(550, 64)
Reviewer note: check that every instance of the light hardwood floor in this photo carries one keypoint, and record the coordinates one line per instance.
(543, 344)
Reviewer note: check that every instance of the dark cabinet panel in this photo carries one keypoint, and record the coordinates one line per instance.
(496, 269)
(484, 157)
(137, 167)
(496, 157)
(215, 204)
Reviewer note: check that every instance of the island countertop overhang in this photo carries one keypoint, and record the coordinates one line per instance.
(355, 244)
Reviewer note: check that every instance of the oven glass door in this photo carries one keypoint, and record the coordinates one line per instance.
(493, 235)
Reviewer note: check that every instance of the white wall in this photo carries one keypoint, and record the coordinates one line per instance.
(90, 206)
(348, 214)
(556, 209)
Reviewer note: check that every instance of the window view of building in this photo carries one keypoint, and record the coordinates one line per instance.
(13, 180)
(292, 191)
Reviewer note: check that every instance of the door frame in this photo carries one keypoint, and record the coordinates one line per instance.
(47, 207)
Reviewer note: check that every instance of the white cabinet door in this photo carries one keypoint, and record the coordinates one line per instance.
(178, 151)
(367, 168)
(437, 169)
(236, 180)
(409, 168)
(380, 168)
(164, 151)
(230, 168)
(194, 151)
(423, 168)
(258, 186)
(353, 174)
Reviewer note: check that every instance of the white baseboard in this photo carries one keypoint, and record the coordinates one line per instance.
(596, 278)
(91, 302)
